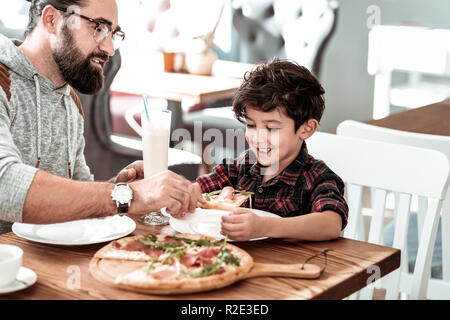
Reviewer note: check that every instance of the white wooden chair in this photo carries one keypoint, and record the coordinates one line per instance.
(389, 167)
(415, 50)
(437, 289)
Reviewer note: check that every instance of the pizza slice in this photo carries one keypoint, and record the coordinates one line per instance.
(226, 199)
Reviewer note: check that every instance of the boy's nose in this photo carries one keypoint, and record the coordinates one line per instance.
(261, 138)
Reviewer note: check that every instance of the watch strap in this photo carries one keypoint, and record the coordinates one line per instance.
(122, 208)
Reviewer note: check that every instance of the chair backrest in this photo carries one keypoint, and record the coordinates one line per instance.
(367, 131)
(388, 167)
(413, 48)
(296, 29)
(382, 165)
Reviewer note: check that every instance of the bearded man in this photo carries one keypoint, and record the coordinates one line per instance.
(43, 174)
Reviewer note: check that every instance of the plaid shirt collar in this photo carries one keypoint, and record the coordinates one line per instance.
(290, 174)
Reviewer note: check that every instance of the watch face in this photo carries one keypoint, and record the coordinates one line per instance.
(123, 194)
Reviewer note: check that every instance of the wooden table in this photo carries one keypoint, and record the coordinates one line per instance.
(430, 119)
(345, 274)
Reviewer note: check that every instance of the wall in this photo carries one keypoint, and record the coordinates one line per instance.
(349, 88)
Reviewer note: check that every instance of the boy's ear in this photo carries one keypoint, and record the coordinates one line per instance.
(307, 129)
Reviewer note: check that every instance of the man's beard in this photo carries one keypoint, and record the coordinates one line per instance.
(75, 68)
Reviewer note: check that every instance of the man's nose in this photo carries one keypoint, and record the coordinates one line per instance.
(107, 46)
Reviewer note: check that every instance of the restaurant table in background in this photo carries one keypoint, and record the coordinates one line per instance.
(350, 267)
(430, 119)
(181, 86)
(183, 90)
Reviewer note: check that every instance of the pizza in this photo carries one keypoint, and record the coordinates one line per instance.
(164, 264)
(226, 199)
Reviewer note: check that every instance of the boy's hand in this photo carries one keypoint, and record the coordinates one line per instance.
(241, 225)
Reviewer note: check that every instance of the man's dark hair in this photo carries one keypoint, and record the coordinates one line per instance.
(38, 5)
(284, 84)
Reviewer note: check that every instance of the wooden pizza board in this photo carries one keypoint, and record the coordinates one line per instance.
(106, 271)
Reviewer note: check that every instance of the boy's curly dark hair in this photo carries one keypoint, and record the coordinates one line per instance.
(284, 84)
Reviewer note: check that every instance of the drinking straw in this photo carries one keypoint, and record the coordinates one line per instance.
(144, 98)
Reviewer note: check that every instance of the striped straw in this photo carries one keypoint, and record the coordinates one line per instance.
(144, 98)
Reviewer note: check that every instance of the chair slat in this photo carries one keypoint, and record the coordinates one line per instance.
(354, 195)
(445, 224)
(400, 238)
(422, 210)
(377, 221)
(422, 268)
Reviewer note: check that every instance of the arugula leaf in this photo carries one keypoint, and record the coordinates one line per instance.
(196, 243)
(214, 193)
(221, 243)
(207, 270)
(176, 253)
(149, 240)
(228, 258)
(245, 193)
(152, 240)
(150, 266)
(168, 246)
(203, 243)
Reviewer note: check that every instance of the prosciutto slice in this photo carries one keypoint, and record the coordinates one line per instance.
(136, 245)
(167, 271)
(227, 193)
(200, 258)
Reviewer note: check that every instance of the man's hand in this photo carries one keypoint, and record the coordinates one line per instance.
(165, 189)
(130, 173)
(242, 225)
(198, 190)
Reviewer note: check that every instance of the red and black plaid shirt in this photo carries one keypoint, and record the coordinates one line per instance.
(307, 185)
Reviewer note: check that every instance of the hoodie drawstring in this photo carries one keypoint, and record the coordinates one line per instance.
(38, 115)
(68, 117)
(39, 129)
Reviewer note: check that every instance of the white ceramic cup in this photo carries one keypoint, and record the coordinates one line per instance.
(10, 263)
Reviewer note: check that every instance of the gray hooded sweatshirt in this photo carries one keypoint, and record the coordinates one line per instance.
(37, 120)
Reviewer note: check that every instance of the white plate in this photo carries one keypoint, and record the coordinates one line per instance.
(25, 278)
(78, 232)
(207, 222)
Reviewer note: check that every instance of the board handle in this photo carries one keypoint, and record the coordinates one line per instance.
(305, 271)
(309, 271)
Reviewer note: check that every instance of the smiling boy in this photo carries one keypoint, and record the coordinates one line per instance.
(281, 104)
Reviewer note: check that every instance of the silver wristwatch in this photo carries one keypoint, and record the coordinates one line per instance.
(122, 195)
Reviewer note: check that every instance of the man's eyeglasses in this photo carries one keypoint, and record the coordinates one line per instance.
(102, 29)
